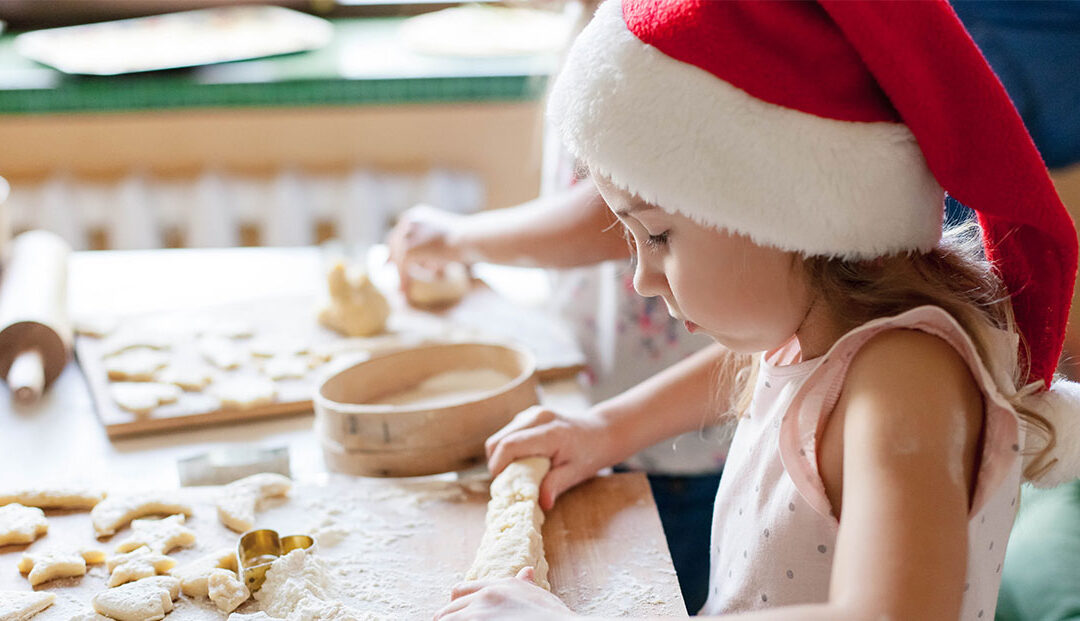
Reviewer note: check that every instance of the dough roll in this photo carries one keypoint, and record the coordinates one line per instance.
(512, 538)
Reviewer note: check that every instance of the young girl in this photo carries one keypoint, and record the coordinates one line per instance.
(781, 169)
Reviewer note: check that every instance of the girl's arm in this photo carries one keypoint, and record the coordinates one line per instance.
(905, 434)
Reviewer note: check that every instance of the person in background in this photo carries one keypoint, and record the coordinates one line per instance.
(782, 176)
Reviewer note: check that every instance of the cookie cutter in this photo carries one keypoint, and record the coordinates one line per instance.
(258, 549)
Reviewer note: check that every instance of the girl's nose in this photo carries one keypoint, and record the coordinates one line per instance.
(648, 281)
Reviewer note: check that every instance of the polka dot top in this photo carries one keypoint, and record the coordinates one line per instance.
(773, 526)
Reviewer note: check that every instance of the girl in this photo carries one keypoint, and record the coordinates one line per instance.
(781, 169)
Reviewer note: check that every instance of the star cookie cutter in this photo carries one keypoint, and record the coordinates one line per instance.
(258, 549)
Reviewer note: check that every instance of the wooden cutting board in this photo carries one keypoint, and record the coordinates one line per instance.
(398, 546)
(483, 314)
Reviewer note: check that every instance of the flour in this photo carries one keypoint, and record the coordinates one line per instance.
(300, 587)
(449, 387)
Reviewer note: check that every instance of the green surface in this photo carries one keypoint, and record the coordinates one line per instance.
(365, 64)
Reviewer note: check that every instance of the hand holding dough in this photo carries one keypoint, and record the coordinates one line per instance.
(512, 539)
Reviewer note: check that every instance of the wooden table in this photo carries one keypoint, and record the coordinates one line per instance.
(62, 440)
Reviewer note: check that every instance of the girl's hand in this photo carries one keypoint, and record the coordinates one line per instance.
(510, 598)
(424, 236)
(578, 447)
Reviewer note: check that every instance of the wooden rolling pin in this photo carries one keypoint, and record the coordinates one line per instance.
(35, 333)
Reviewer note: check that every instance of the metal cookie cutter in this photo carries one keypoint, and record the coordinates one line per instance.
(259, 548)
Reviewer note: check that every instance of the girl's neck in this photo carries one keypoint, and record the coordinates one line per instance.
(819, 330)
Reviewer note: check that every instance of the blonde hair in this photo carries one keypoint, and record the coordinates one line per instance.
(954, 276)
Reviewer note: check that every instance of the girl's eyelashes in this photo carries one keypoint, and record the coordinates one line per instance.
(657, 240)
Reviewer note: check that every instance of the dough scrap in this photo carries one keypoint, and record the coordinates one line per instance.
(135, 365)
(221, 352)
(237, 501)
(44, 566)
(226, 589)
(115, 512)
(21, 524)
(53, 497)
(143, 397)
(148, 599)
(243, 393)
(188, 376)
(438, 289)
(296, 587)
(512, 538)
(136, 565)
(357, 307)
(194, 576)
(19, 605)
(161, 536)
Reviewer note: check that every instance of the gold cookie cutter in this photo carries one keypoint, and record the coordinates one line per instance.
(258, 549)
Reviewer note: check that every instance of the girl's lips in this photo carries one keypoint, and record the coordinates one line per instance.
(691, 327)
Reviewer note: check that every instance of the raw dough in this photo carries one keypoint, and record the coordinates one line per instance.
(192, 376)
(357, 307)
(148, 599)
(136, 565)
(296, 587)
(115, 512)
(221, 352)
(135, 365)
(161, 536)
(44, 566)
(20, 524)
(58, 497)
(237, 501)
(286, 366)
(132, 339)
(193, 576)
(242, 393)
(237, 329)
(431, 289)
(20, 605)
(96, 326)
(512, 538)
(143, 397)
(271, 346)
(226, 589)
(449, 387)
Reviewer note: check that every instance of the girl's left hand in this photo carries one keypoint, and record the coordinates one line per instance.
(508, 598)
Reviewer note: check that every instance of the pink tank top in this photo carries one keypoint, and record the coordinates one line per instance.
(773, 527)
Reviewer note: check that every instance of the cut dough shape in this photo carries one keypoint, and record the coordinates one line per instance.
(161, 536)
(271, 346)
(221, 352)
(357, 307)
(44, 566)
(132, 339)
(237, 329)
(96, 326)
(136, 565)
(193, 576)
(242, 393)
(226, 589)
(512, 538)
(286, 366)
(148, 599)
(192, 376)
(437, 289)
(20, 524)
(20, 605)
(135, 365)
(237, 501)
(58, 497)
(115, 512)
(143, 397)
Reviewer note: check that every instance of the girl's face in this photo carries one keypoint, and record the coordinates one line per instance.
(747, 297)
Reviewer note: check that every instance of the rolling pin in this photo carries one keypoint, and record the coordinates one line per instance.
(35, 333)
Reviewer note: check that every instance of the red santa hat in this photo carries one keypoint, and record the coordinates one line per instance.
(828, 128)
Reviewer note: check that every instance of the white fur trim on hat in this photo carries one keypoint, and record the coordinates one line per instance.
(1061, 406)
(689, 142)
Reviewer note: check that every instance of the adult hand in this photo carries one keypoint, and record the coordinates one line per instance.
(509, 598)
(577, 445)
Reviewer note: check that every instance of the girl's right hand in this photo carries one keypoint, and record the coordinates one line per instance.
(578, 447)
(424, 236)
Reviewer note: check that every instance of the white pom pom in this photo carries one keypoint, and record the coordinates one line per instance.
(1061, 406)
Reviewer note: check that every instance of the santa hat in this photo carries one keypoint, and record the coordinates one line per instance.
(828, 128)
